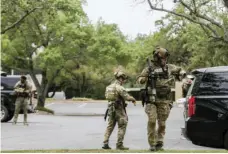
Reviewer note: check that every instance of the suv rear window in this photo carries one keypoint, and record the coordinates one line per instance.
(214, 84)
(9, 82)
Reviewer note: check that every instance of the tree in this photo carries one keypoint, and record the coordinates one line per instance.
(197, 47)
(49, 36)
(211, 17)
(106, 50)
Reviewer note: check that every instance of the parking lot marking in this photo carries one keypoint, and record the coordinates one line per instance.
(50, 104)
(82, 105)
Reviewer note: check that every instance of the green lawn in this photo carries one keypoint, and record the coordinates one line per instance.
(114, 151)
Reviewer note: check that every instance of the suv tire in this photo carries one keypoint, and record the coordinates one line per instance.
(11, 114)
(226, 140)
(4, 114)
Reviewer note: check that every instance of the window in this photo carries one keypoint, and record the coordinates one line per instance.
(214, 84)
(195, 84)
(8, 82)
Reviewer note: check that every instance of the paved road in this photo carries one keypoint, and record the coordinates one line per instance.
(66, 130)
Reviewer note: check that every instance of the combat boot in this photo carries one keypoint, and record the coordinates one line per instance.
(26, 124)
(121, 147)
(159, 145)
(153, 148)
(106, 146)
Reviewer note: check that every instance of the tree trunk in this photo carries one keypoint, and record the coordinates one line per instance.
(83, 84)
(79, 86)
(43, 91)
(226, 3)
(41, 100)
(42, 95)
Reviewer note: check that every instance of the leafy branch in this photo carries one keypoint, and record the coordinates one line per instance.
(194, 11)
(19, 21)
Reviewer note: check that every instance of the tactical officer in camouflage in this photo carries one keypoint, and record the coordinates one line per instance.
(22, 90)
(116, 95)
(160, 109)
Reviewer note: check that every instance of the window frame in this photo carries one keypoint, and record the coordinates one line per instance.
(201, 83)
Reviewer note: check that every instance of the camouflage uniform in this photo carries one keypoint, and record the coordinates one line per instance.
(22, 91)
(117, 114)
(161, 108)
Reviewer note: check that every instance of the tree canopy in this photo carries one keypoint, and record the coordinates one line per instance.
(55, 38)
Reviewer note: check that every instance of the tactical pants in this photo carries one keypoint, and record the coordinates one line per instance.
(120, 118)
(21, 102)
(159, 111)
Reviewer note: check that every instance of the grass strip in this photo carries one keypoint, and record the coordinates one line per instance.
(113, 151)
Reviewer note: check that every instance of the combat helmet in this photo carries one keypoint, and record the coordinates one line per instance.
(160, 52)
(119, 74)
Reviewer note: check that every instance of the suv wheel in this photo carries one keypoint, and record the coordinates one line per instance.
(11, 114)
(4, 114)
(198, 143)
(226, 140)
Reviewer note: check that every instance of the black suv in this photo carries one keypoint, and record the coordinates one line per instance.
(7, 97)
(206, 108)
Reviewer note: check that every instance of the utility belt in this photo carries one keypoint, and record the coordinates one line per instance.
(25, 95)
(162, 93)
(112, 106)
(115, 103)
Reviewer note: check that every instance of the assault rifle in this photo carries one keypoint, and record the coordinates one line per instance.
(149, 94)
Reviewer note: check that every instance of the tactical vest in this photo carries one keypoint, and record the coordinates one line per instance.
(111, 92)
(22, 94)
(164, 84)
(23, 86)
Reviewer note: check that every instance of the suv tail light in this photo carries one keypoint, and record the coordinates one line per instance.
(191, 106)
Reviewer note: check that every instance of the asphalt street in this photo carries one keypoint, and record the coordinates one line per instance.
(82, 126)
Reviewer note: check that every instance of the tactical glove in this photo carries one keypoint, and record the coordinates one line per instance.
(133, 100)
(170, 106)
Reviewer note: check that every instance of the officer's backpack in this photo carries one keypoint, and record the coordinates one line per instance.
(111, 92)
